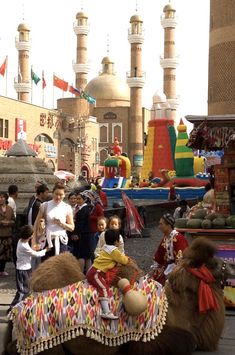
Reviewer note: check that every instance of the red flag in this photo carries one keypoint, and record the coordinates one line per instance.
(74, 91)
(3, 67)
(59, 83)
(43, 81)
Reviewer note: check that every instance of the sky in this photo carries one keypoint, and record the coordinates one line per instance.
(54, 44)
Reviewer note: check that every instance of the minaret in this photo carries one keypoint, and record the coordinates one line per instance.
(169, 61)
(22, 83)
(221, 80)
(136, 81)
(81, 68)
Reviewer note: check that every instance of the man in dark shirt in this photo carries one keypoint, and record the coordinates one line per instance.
(41, 196)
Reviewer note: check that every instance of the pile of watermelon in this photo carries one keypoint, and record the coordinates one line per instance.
(201, 219)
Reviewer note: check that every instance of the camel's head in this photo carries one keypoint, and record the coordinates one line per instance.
(131, 271)
(203, 251)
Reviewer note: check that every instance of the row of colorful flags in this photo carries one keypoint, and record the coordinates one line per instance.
(59, 83)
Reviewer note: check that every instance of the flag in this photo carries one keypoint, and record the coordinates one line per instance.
(3, 67)
(74, 90)
(43, 81)
(87, 97)
(34, 77)
(59, 83)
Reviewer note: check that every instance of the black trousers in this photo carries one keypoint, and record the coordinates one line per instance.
(2, 265)
(22, 284)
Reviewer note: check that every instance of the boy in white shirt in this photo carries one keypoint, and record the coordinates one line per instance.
(24, 254)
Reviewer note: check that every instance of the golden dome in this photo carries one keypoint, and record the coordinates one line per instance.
(169, 7)
(81, 15)
(108, 87)
(136, 18)
(23, 27)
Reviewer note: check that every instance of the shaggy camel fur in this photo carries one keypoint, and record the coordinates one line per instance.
(64, 269)
(182, 289)
(56, 272)
(186, 328)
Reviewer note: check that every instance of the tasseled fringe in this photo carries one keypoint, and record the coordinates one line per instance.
(100, 337)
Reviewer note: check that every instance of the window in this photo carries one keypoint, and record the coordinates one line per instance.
(103, 156)
(6, 129)
(43, 138)
(1, 127)
(117, 131)
(103, 133)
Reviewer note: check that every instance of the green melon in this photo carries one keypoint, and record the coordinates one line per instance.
(194, 223)
(181, 222)
(206, 224)
(218, 223)
(230, 221)
(212, 216)
(200, 214)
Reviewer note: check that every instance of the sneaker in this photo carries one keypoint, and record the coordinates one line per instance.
(3, 274)
(109, 315)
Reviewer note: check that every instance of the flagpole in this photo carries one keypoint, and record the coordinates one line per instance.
(42, 88)
(6, 75)
(31, 84)
(63, 92)
(53, 91)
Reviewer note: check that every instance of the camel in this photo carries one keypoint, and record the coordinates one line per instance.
(186, 328)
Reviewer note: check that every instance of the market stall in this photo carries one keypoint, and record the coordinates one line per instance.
(215, 221)
(212, 133)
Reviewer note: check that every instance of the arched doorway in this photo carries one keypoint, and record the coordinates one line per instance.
(86, 171)
(66, 155)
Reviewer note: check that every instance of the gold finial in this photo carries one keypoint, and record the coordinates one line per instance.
(82, 5)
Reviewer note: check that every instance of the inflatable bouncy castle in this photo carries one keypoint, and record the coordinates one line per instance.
(117, 170)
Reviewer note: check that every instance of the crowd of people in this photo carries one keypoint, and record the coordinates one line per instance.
(79, 227)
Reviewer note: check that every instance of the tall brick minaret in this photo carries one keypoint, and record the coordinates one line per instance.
(169, 61)
(22, 83)
(221, 80)
(81, 67)
(136, 81)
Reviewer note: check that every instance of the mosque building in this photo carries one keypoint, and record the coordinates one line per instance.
(77, 136)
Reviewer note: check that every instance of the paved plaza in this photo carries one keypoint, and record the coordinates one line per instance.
(142, 250)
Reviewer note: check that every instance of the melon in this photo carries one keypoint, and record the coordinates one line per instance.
(230, 221)
(212, 216)
(181, 222)
(199, 214)
(194, 223)
(218, 223)
(206, 224)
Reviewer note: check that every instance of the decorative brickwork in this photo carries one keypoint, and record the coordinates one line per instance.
(221, 83)
(222, 13)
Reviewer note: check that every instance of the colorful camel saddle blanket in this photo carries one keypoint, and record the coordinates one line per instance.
(46, 319)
